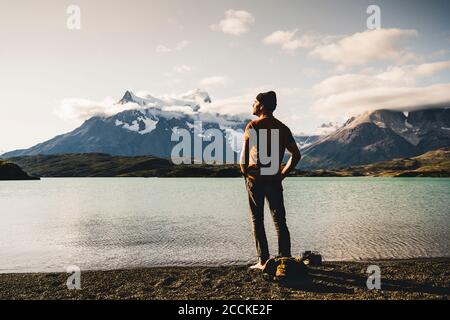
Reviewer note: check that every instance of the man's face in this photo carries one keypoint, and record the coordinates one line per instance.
(256, 107)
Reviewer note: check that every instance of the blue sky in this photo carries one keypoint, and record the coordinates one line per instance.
(318, 55)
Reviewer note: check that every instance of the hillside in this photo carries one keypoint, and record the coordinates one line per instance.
(103, 165)
(11, 171)
(431, 164)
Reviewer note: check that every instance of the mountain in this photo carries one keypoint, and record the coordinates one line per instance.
(145, 129)
(11, 171)
(380, 135)
(192, 99)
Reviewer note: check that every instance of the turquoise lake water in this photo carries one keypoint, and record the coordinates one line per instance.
(110, 223)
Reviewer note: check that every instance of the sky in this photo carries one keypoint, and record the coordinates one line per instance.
(319, 56)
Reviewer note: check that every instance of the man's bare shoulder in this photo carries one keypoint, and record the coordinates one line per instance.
(251, 124)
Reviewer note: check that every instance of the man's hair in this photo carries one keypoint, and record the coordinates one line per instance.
(268, 100)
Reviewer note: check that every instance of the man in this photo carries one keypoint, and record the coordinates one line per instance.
(262, 183)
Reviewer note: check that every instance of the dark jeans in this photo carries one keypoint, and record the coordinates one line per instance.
(272, 191)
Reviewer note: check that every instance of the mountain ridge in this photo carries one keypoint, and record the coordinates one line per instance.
(146, 126)
(434, 163)
(380, 135)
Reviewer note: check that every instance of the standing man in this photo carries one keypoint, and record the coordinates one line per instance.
(267, 138)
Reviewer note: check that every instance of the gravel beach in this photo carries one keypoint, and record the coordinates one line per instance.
(400, 279)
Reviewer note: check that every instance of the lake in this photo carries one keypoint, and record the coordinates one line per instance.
(111, 223)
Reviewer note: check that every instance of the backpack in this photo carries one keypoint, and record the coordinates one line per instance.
(285, 269)
(311, 258)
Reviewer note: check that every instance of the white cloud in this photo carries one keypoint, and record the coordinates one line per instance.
(214, 81)
(180, 69)
(288, 40)
(232, 105)
(183, 68)
(395, 88)
(393, 98)
(160, 48)
(429, 69)
(77, 109)
(399, 76)
(366, 47)
(236, 22)
(183, 44)
(241, 103)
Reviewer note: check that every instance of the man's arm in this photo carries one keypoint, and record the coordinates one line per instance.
(293, 160)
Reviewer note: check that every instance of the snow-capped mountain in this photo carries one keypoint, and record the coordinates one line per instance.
(380, 135)
(147, 124)
(145, 129)
(191, 100)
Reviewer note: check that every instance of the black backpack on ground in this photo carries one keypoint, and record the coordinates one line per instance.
(286, 269)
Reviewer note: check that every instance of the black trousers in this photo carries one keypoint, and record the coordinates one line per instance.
(272, 191)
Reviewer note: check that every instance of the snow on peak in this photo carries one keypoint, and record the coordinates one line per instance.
(130, 97)
(144, 122)
(150, 109)
(191, 100)
(198, 95)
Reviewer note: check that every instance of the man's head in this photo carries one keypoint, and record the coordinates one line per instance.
(265, 103)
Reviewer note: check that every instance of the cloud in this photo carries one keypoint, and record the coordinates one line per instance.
(288, 40)
(77, 109)
(214, 81)
(399, 76)
(236, 22)
(241, 103)
(160, 48)
(392, 98)
(233, 105)
(366, 47)
(183, 68)
(183, 44)
(395, 88)
(180, 69)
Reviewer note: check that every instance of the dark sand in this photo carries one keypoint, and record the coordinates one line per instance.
(401, 279)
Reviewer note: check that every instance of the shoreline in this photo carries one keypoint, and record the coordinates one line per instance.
(417, 278)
